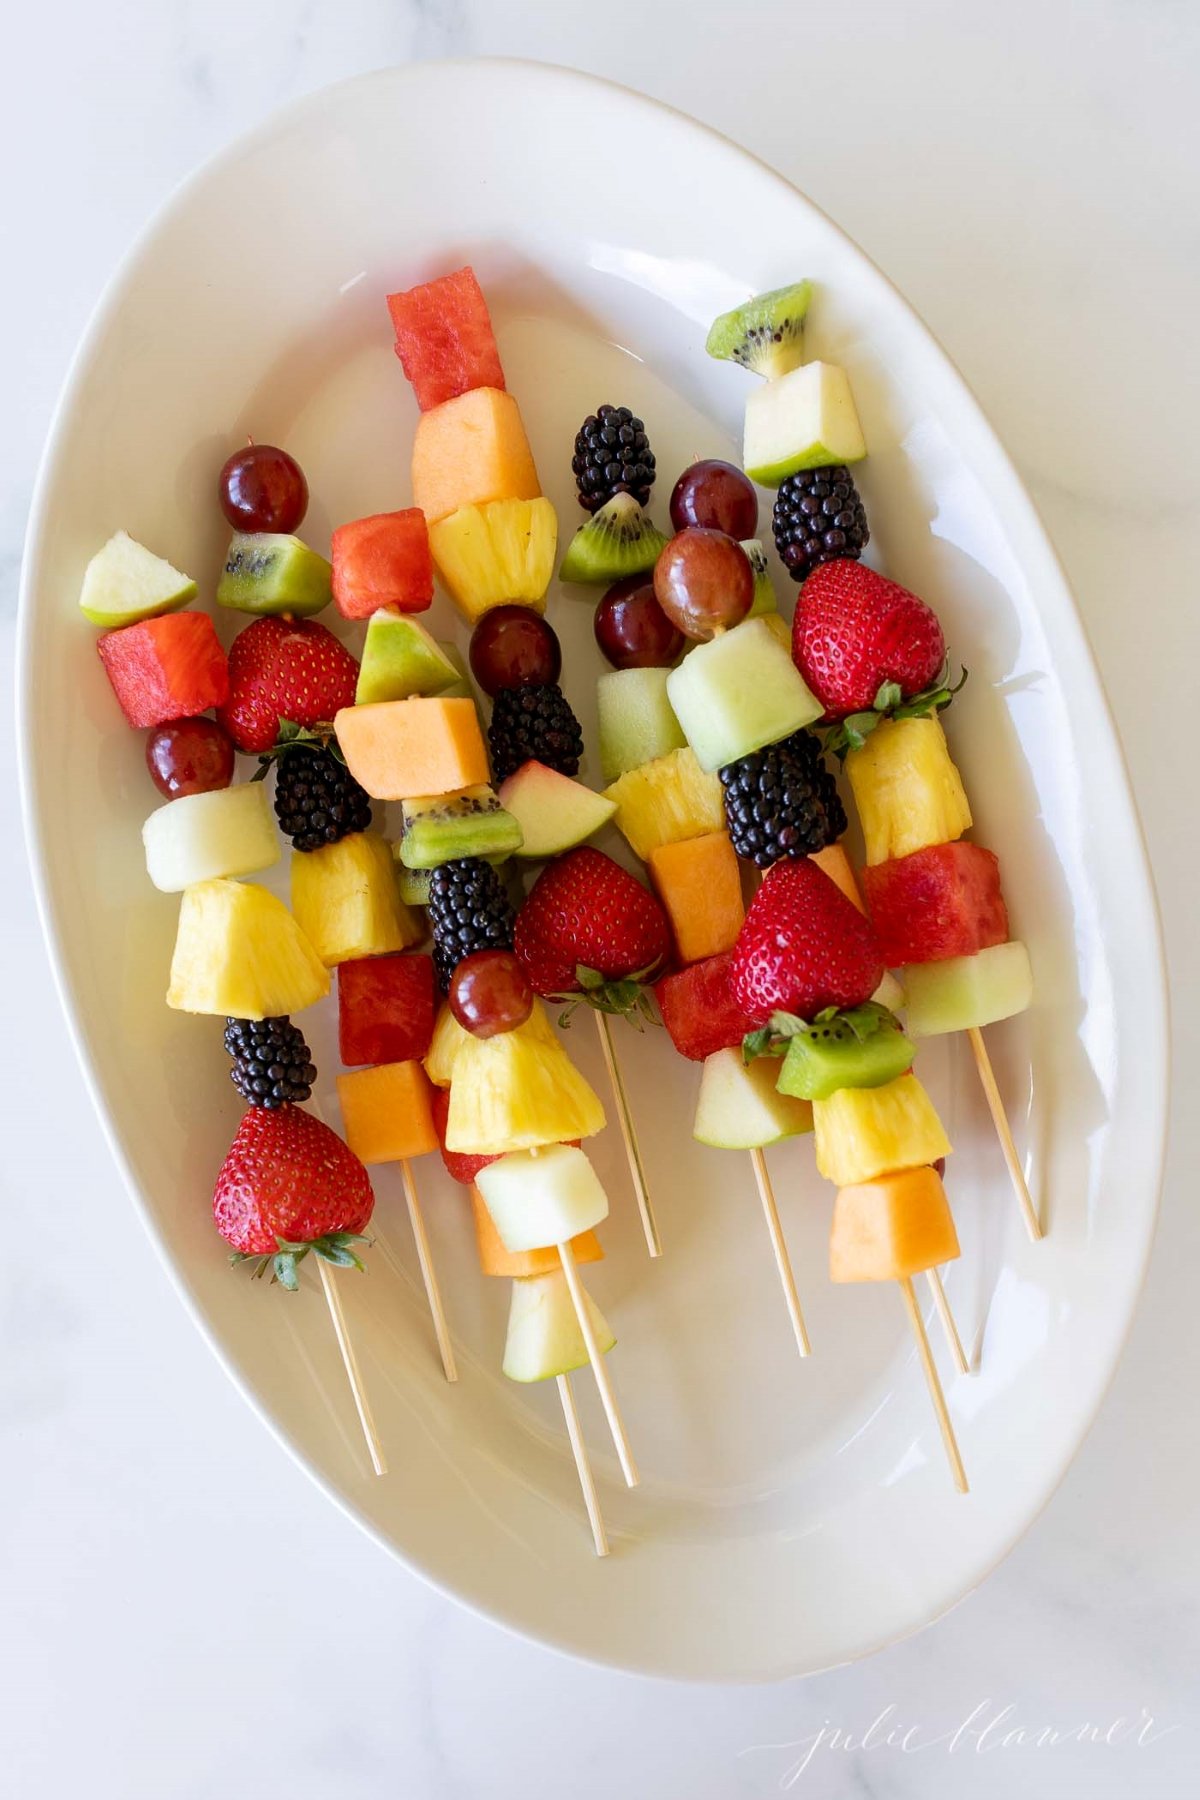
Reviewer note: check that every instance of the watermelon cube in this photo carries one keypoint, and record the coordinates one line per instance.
(459, 1166)
(385, 1009)
(699, 1010)
(384, 560)
(166, 668)
(444, 338)
(940, 902)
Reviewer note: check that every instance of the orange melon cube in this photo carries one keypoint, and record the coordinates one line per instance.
(406, 749)
(470, 451)
(894, 1226)
(700, 885)
(836, 864)
(494, 1259)
(388, 1112)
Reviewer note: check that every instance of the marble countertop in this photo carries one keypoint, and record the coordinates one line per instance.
(183, 1615)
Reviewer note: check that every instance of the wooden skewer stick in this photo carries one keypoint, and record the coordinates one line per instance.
(783, 1261)
(933, 1384)
(353, 1374)
(628, 1134)
(441, 1330)
(586, 1480)
(612, 1411)
(983, 1063)
(954, 1342)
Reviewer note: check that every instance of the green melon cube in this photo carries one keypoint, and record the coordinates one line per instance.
(637, 724)
(965, 991)
(739, 692)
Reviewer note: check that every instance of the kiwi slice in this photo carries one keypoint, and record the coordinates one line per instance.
(767, 334)
(271, 572)
(863, 1048)
(764, 600)
(448, 826)
(413, 884)
(619, 539)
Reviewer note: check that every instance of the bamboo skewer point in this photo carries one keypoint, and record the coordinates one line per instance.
(608, 1398)
(441, 1330)
(628, 1134)
(934, 1385)
(353, 1374)
(583, 1466)
(953, 1340)
(983, 1064)
(783, 1261)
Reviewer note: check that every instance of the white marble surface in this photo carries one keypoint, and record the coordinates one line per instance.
(183, 1616)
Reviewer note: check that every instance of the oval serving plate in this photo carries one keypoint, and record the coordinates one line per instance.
(791, 1515)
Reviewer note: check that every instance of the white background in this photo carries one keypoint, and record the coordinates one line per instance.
(182, 1616)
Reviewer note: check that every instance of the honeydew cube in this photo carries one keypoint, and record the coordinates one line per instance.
(200, 837)
(544, 1338)
(803, 420)
(637, 723)
(966, 991)
(739, 692)
(865, 1132)
(125, 582)
(740, 1108)
(540, 1197)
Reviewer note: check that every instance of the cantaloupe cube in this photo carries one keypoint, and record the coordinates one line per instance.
(700, 885)
(408, 749)
(387, 1112)
(347, 903)
(494, 1259)
(890, 1228)
(862, 1133)
(836, 864)
(471, 451)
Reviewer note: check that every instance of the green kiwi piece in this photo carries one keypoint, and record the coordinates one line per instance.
(620, 539)
(863, 1048)
(448, 826)
(765, 600)
(413, 884)
(767, 334)
(270, 572)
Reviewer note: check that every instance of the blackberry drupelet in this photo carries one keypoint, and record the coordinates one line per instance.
(533, 724)
(612, 456)
(782, 802)
(818, 518)
(468, 911)
(317, 800)
(272, 1064)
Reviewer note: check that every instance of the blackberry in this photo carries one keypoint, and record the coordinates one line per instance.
(317, 800)
(533, 724)
(612, 456)
(271, 1061)
(782, 802)
(468, 911)
(818, 518)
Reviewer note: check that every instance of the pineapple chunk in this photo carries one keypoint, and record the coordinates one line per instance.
(518, 1091)
(908, 792)
(865, 1132)
(489, 555)
(667, 801)
(240, 953)
(347, 902)
(449, 1035)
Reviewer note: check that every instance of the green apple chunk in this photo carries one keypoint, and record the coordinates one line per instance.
(739, 692)
(125, 582)
(805, 420)
(966, 991)
(765, 600)
(542, 1197)
(554, 812)
(272, 572)
(637, 723)
(740, 1108)
(460, 688)
(199, 837)
(544, 1338)
(401, 660)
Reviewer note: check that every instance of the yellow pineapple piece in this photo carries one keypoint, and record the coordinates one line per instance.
(347, 902)
(865, 1132)
(518, 1091)
(490, 555)
(448, 1036)
(240, 953)
(907, 790)
(667, 801)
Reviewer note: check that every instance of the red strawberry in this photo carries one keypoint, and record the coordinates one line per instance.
(284, 669)
(803, 946)
(289, 1177)
(854, 631)
(586, 911)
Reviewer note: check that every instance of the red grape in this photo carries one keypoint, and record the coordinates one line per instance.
(718, 496)
(262, 488)
(512, 646)
(489, 993)
(632, 629)
(189, 756)
(703, 580)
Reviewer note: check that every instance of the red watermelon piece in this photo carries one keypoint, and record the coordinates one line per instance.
(167, 668)
(383, 560)
(385, 1009)
(699, 1010)
(941, 902)
(444, 338)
